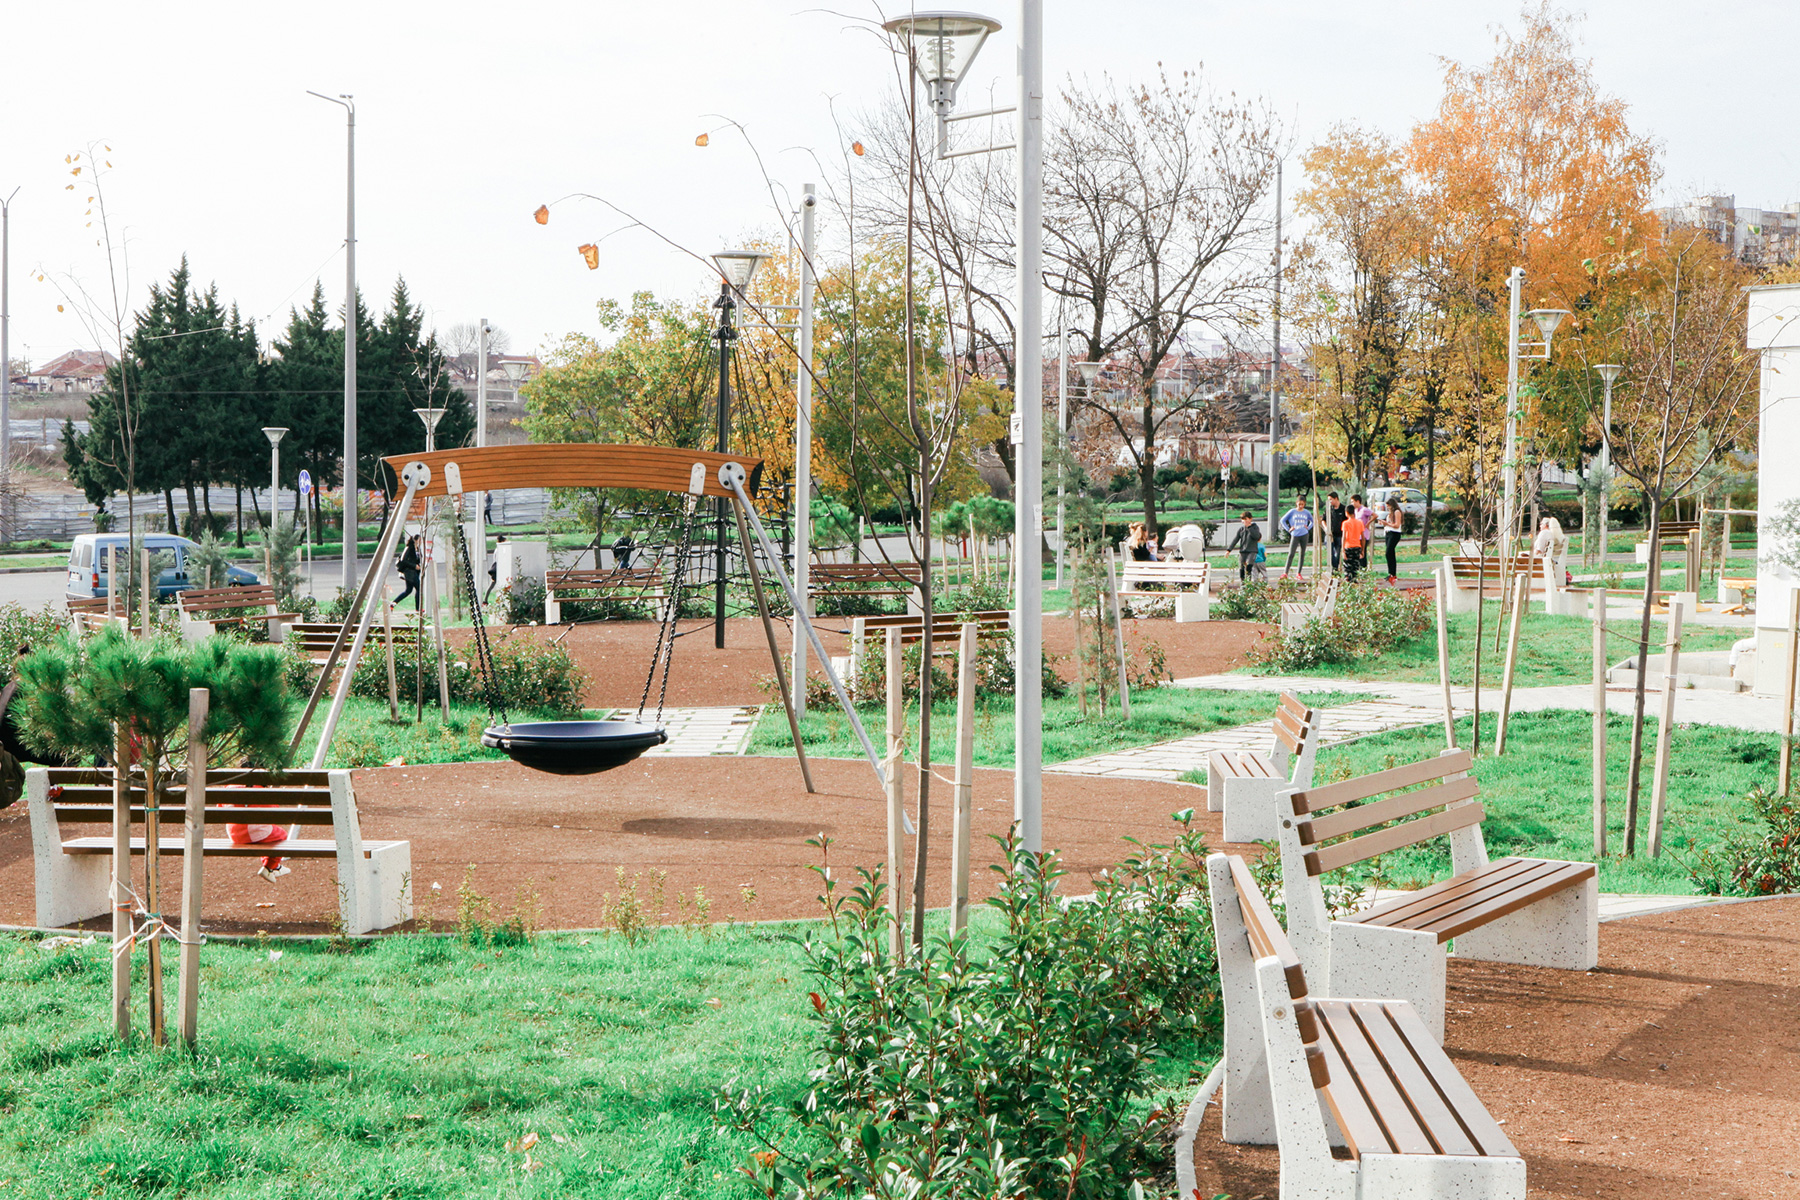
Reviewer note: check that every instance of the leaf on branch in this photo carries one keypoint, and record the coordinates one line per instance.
(542, 215)
(590, 252)
(702, 140)
(856, 148)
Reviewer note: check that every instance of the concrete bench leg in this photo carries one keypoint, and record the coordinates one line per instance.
(1249, 809)
(552, 609)
(1430, 1176)
(1193, 606)
(1216, 775)
(377, 892)
(1561, 931)
(1398, 964)
(70, 887)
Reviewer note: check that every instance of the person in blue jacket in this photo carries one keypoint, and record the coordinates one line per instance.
(1297, 523)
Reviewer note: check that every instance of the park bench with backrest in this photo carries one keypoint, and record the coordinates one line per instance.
(74, 870)
(615, 583)
(1540, 912)
(946, 628)
(1296, 613)
(890, 579)
(1359, 1071)
(1243, 784)
(91, 615)
(1171, 577)
(315, 638)
(1471, 577)
(203, 610)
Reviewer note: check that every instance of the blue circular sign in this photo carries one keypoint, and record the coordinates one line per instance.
(306, 483)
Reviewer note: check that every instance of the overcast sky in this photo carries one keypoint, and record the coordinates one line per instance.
(470, 115)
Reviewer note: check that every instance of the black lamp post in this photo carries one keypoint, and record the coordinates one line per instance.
(736, 267)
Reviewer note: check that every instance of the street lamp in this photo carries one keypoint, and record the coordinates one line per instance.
(274, 433)
(736, 269)
(1608, 373)
(943, 46)
(516, 369)
(1547, 319)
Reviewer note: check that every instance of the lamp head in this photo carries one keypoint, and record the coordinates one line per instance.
(1547, 320)
(738, 267)
(515, 369)
(944, 46)
(431, 417)
(274, 433)
(1609, 371)
(1089, 370)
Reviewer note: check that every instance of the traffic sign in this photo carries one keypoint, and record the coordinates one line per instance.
(306, 483)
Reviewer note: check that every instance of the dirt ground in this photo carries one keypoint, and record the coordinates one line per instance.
(616, 654)
(1670, 1072)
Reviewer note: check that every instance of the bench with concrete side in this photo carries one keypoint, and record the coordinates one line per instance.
(1295, 614)
(946, 628)
(1539, 912)
(616, 583)
(1307, 1073)
(74, 872)
(1171, 577)
(1472, 578)
(1243, 784)
(203, 610)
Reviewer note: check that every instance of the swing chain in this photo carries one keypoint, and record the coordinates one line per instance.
(665, 632)
(483, 655)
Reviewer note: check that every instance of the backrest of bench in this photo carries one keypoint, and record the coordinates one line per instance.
(245, 597)
(84, 796)
(865, 572)
(1419, 815)
(1266, 939)
(1182, 572)
(947, 625)
(1467, 570)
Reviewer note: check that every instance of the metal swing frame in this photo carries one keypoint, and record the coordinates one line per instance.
(697, 473)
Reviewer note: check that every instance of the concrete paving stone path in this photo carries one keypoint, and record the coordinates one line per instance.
(700, 732)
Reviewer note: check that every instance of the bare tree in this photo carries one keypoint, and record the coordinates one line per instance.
(464, 338)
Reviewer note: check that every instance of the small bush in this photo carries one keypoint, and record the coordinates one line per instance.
(1370, 618)
(1762, 864)
(523, 602)
(530, 676)
(1016, 1070)
(21, 626)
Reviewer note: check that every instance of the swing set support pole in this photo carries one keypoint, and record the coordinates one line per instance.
(415, 476)
(781, 681)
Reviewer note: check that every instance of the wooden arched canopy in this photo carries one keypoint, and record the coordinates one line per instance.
(578, 465)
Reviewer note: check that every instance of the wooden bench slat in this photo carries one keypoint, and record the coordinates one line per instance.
(101, 814)
(1364, 786)
(1398, 1124)
(1287, 737)
(1440, 1123)
(1358, 849)
(1348, 1106)
(292, 848)
(1519, 892)
(1366, 816)
(94, 793)
(1422, 904)
(1292, 703)
(1474, 1116)
(1259, 919)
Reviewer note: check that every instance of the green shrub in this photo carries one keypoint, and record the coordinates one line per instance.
(523, 602)
(530, 676)
(1370, 617)
(1763, 864)
(21, 626)
(1012, 1070)
(1258, 601)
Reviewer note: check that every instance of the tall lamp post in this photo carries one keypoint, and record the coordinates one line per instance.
(274, 433)
(5, 337)
(1089, 372)
(1547, 320)
(1608, 373)
(736, 269)
(944, 46)
(350, 506)
(803, 428)
(430, 417)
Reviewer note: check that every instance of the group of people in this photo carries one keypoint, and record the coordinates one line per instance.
(1352, 530)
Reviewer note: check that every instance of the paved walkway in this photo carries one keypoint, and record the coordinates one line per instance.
(699, 732)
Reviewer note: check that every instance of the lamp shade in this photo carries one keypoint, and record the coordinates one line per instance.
(1089, 370)
(515, 369)
(274, 433)
(1548, 319)
(1608, 371)
(431, 417)
(738, 266)
(944, 45)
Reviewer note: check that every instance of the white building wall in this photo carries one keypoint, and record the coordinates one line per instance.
(1774, 330)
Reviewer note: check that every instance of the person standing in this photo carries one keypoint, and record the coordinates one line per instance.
(1394, 525)
(1297, 523)
(409, 573)
(1139, 545)
(1334, 523)
(1245, 541)
(1355, 536)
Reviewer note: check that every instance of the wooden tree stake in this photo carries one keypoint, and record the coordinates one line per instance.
(1112, 588)
(121, 876)
(1521, 600)
(387, 630)
(144, 594)
(1665, 731)
(1787, 708)
(896, 791)
(965, 779)
(1599, 606)
(1443, 638)
(187, 1001)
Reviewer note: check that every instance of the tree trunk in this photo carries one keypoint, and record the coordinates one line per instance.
(255, 510)
(206, 504)
(169, 502)
(1430, 479)
(1635, 778)
(240, 516)
(187, 485)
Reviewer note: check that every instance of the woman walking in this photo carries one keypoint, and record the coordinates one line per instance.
(409, 573)
(1394, 524)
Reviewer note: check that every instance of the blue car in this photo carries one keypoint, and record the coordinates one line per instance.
(88, 565)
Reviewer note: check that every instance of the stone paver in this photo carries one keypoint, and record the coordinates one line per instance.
(1173, 759)
(699, 732)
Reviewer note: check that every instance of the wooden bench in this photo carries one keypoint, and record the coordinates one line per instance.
(74, 872)
(315, 638)
(1171, 577)
(899, 579)
(1522, 910)
(1296, 613)
(201, 610)
(946, 628)
(1308, 1073)
(1735, 593)
(91, 615)
(1243, 783)
(616, 583)
(1472, 579)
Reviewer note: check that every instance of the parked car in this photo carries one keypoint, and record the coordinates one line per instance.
(1411, 499)
(88, 565)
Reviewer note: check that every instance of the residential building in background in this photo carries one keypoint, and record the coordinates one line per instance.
(1761, 237)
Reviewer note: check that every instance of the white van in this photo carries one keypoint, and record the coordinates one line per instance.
(88, 564)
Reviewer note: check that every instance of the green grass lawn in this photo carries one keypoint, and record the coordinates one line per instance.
(1156, 716)
(1540, 803)
(1552, 650)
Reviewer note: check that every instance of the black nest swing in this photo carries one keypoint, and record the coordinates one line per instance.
(577, 747)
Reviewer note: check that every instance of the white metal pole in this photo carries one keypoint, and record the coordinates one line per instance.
(1274, 463)
(478, 543)
(5, 337)
(1062, 430)
(1606, 472)
(1028, 391)
(1510, 468)
(803, 443)
(350, 506)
